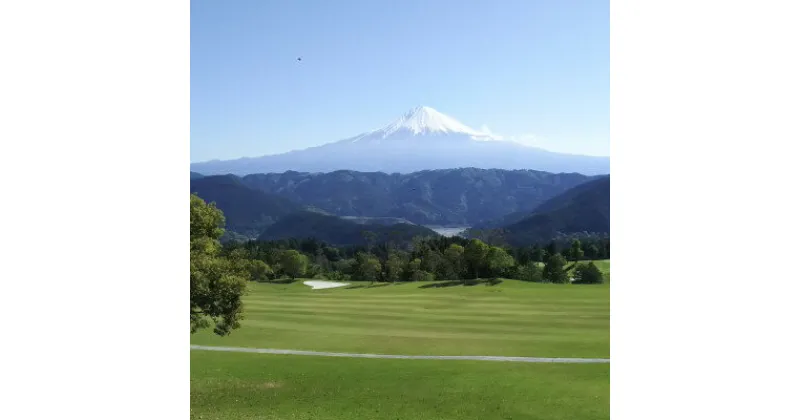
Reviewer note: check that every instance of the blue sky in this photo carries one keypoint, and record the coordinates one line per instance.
(535, 70)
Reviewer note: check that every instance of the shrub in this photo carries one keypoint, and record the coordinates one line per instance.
(588, 274)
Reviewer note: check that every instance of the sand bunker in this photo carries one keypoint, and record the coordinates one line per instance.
(322, 284)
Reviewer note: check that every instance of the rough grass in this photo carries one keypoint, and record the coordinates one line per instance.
(271, 387)
(511, 318)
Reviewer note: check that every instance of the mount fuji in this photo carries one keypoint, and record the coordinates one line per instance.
(421, 139)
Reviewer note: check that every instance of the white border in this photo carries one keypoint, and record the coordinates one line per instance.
(94, 113)
(703, 117)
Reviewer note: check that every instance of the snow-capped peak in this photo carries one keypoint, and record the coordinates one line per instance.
(424, 119)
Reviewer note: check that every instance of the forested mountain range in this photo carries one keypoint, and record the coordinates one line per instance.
(446, 197)
(525, 205)
(582, 210)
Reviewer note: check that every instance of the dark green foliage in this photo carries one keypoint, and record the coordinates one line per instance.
(422, 275)
(414, 271)
(424, 259)
(259, 270)
(554, 271)
(539, 254)
(293, 263)
(551, 249)
(216, 282)
(394, 266)
(499, 263)
(530, 272)
(367, 267)
(575, 251)
(454, 254)
(335, 230)
(444, 197)
(588, 274)
(475, 257)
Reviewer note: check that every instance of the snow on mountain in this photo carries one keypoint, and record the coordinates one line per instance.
(423, 138)
(426, 120)
(422, 121)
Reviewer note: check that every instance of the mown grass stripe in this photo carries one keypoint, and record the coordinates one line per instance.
(475, 322)
(397, 356)
(463, 310)
(406, 332)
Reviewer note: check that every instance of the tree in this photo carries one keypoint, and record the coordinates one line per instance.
(530, 272)
(216, 283)
(259, 270)
(593, 252)
(454, 254)
(394, 267)
(475, 257)
(498, 262)
(293, 263)
(554, 269)
(321, 261)
(551, 249)
(433, 262)
(588, 274)
(368, 267)
(345, 266)
(575, 251)
(414, 271)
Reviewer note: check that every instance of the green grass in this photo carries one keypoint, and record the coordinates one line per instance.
(512, 318)
(271, 387)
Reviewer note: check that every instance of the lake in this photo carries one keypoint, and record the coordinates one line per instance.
(448, 231)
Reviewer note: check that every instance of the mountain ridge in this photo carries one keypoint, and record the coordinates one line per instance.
(583, 209)
(442, 197)
(422, 138)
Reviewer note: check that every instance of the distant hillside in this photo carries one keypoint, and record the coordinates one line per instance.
(195, 175)
(446, 197)
(337, 231)
(506, 220)
(582, 209)
(247, 211)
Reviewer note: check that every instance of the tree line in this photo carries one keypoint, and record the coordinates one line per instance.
(424, 259)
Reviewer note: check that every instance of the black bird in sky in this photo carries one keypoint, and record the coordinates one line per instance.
(299, 58)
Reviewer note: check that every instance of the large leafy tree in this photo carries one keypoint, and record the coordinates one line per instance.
(475, 257)
(217, 283)
(394, 266)
(455, 256)
(498, 262)
(554, 269)
(259, 270)
(293, 263)
(367, 267)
